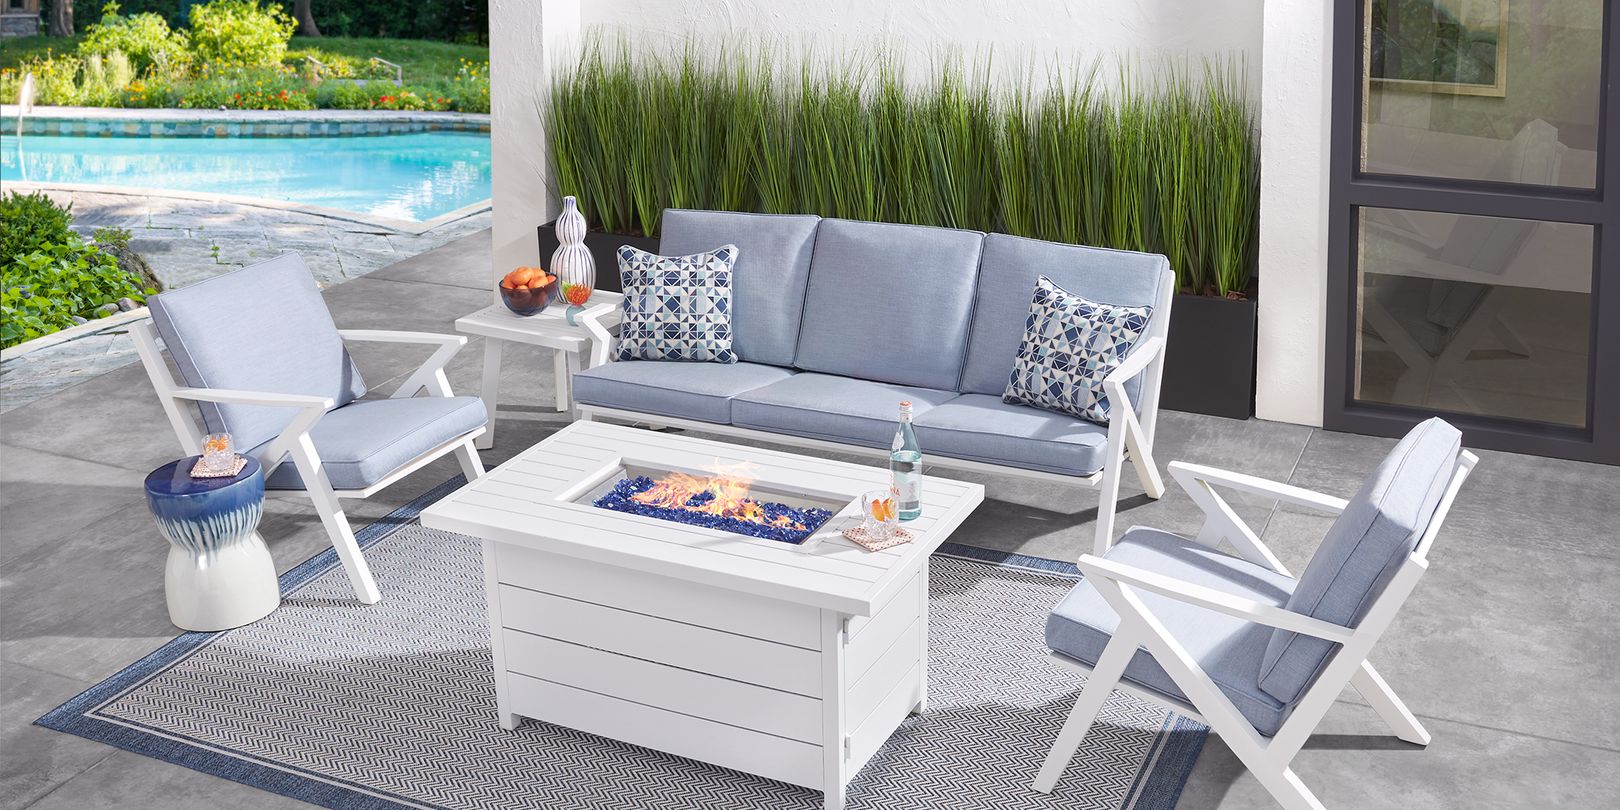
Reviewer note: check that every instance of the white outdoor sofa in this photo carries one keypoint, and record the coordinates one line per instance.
(836, 321)
(262, 360)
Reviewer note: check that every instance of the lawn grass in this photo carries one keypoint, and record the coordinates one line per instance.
(422, 59)
(16, 50)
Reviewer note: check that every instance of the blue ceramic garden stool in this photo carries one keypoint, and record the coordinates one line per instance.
(219, 574)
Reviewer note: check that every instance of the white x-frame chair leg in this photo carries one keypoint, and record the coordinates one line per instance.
(1268, 758)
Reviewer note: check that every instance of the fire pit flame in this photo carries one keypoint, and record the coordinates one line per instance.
(719, 501)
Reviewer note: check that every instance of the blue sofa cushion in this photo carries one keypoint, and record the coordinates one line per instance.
(677, 307)
(1228, 648)
(891, 303)
(1071, 344)
(263, 328)
(362, 442)
(1007, 276)
(700, 391)
(980, 427)
(839, 409)
(768, 279)
(1362, 550)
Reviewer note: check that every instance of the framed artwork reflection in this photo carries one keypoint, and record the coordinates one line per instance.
(1438, 46)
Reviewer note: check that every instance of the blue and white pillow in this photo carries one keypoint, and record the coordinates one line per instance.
(677, 307)
(1070, 344)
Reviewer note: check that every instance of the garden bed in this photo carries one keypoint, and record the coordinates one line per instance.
(242, 56)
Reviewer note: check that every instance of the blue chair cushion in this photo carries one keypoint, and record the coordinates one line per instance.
(263, 328)
(700, 391)
(891, 303)
(983, 428)
(363, 442)
(1362, 550)
(768, 279)
(838, 409)
(1007, 276)
(1226, 647)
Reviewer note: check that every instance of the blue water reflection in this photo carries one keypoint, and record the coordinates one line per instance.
(415, 176)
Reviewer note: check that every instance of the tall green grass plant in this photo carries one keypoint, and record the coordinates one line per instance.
(1161, 158)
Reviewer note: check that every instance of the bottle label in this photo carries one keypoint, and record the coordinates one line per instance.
(908, 488)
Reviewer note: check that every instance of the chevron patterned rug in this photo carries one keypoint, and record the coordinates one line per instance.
(392, 706)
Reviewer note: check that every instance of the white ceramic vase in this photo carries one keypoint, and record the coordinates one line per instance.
(572, 262)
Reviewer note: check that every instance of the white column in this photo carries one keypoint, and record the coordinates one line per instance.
(1296, 95)
(526, 39)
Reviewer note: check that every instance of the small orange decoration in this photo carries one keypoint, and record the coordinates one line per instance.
(884, 509)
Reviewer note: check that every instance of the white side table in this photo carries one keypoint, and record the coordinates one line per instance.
(549, 328)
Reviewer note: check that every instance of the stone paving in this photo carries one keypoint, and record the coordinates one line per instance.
(187, 241)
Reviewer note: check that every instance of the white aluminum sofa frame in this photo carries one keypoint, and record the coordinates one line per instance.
(294, 439)
(1267, 758)
(1129, 436)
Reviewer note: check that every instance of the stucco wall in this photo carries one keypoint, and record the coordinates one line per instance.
(525, 39)
(1013, 33)
(1294, 116)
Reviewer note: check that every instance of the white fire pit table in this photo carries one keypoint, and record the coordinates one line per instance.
(792, 662)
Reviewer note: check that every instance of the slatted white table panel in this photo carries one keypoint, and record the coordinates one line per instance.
(794, 663)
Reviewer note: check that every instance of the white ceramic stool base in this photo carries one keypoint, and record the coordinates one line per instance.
(236, 586)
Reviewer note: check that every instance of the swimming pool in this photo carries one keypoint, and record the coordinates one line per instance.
(411, 176)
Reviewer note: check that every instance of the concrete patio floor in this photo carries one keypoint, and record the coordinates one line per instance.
(1507, 650)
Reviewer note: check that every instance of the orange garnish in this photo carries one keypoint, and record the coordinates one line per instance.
(883, 509)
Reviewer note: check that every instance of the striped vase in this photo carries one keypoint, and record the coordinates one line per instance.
(572, 262)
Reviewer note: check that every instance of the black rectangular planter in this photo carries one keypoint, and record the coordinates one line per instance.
(603, 247)
(1209, 357)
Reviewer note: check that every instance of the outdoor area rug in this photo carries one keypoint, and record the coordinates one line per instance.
(393, 705)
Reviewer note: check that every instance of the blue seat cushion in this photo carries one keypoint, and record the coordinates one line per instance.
(1377, 531)
(839, 409)
(891, 303)
(1007, 276)
(262, 328)
(980, 427)
(1228, 648)
(768, 278)
(700, 391)
(363, 442)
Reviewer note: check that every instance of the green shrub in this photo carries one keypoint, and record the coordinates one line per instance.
(144, 38)
(240, 33)
(241, 89)
(48, 274)
(30, 220)
(379, 95)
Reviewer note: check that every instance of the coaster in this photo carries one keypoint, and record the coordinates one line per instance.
(859, 537)
(199, 471)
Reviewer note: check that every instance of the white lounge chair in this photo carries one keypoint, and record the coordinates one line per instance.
(263, 361)
(1238, 641)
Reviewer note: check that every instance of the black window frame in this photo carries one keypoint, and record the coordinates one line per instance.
(1349, 190)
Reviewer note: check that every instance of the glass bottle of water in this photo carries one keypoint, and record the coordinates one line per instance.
(905, 465)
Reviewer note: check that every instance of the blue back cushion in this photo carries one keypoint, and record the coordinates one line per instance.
(1361, 552)
(1007, 277)
(768, 279)
(891, 303)
(262, 328)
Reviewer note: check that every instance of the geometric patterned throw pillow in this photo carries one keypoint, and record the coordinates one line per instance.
(677, 307)
(1070, 344)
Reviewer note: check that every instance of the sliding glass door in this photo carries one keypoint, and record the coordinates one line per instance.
(1475, 179)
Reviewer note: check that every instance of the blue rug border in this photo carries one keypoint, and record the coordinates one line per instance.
(1181, 740)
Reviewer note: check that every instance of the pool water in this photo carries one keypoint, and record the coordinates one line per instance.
(412, 176)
